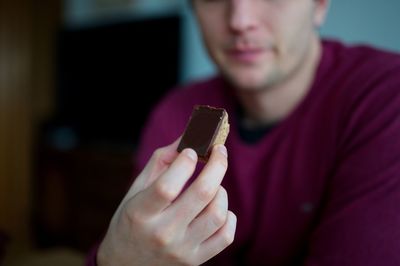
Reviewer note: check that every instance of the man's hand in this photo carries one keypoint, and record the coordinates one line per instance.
(159, 223)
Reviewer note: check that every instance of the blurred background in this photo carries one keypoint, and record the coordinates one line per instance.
(77, 81)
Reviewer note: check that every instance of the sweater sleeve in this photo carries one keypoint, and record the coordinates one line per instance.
(360, 221)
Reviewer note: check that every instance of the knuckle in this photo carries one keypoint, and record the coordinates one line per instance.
(222, 201)
(158, 153)
(161, 238)
(218, 217)
(133, 216)
(204, 193)
(228, 237)
(157, 156)
(165, 191)
(223, 193)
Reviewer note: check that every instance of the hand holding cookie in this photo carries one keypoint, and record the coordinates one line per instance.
(160, 223)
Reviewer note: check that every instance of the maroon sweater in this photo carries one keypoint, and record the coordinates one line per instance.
(323, 186)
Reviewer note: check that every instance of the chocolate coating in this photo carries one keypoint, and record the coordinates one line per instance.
(202, 129)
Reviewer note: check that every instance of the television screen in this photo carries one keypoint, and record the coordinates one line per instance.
(110, 76)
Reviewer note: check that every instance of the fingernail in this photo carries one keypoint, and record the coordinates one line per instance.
(191, 154)
(222, 149)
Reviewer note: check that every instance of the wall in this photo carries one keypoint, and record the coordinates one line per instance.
(79, 13)
(372, 22)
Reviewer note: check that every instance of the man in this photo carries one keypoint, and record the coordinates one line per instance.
(314, 151)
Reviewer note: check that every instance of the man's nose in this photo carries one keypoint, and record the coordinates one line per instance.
(242, 15)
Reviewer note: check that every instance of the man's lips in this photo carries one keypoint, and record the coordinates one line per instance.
(246, 55)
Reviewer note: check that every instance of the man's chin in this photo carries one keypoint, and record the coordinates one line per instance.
(246, 83)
